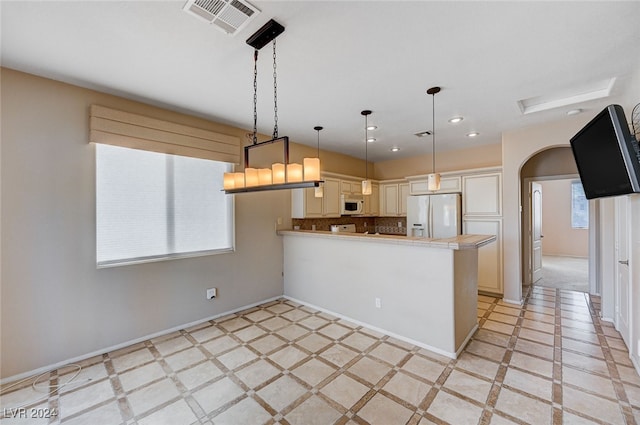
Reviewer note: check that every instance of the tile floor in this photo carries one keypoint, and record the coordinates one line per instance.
(550, 362)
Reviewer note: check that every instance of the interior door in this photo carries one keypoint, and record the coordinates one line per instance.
(536, 231)
(623, 296)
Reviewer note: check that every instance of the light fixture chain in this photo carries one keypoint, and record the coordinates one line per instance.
(275, 93)
(255, 97)
(433, 132)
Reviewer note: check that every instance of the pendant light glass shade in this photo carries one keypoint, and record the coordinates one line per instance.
(239, 180)
(229, 181)
(311, 168)
(264, 176)
(251, 177)
(433, 181)
(294, 173)
(318, 190)
(366, 187)
(277, 171)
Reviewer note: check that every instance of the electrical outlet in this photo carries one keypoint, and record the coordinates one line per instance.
(378, 303)
(212, 293)
(399, 224)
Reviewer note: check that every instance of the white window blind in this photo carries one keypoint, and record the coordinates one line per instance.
(579, 207)
(152, 206)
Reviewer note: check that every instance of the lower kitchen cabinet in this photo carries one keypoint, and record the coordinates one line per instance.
(490, 255)
(304, 204)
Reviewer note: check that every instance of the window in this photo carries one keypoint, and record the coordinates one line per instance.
(152, 206)
(579, 207)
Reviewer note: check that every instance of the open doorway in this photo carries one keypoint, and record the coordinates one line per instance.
(560, 215)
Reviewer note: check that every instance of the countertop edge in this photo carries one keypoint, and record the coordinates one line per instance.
(457, 243)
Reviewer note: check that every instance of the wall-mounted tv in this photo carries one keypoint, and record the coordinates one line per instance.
(607, 155)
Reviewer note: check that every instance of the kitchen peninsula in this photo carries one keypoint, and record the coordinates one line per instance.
(420, 290)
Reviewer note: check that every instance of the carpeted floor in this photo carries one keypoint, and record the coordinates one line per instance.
(567, 273)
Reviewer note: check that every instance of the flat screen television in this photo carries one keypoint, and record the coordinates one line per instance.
(607, 155)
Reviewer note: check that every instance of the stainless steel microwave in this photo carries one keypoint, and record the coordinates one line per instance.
(351, 204)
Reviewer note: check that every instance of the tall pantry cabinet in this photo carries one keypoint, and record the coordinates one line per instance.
(482, 214)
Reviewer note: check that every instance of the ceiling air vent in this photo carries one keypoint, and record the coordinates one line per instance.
(229, 16)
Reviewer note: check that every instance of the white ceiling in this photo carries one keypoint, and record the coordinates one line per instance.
(338, 58)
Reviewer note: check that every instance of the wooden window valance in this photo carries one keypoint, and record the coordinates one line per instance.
(119, 128)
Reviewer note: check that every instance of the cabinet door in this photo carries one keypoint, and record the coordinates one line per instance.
(331, 199)
(389, 200)
(403, 193)
(482, 194)
(372, 202)
(345, 186)
(312, 205)
(490, 255)
(450, 185)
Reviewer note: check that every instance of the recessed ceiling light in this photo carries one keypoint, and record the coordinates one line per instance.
(371, 139)
(394, 149)
(372, 127)
(473, 134)
(455, 120)
(574, 111)
(423, 133)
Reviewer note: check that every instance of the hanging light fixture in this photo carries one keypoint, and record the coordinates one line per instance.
(366, 183)
(319, 190)
(433, 179)
(281, 175)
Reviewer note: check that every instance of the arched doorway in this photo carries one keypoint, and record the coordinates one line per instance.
(566, 250)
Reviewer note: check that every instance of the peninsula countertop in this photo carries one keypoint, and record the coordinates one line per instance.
(457, 242)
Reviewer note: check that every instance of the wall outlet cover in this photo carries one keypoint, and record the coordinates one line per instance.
(211, 293)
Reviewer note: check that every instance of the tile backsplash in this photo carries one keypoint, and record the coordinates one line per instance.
(385, 225)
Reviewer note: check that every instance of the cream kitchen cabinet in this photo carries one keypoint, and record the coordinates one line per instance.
(482, 194)
(304, 204)
(393, 199)
(351, 187)
(451, 184)
(489, 256)
(372, 202)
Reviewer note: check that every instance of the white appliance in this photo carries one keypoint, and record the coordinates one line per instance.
(351, 204)
(434, 216)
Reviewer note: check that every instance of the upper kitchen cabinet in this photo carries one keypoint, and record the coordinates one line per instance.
(448, 184)
(304, 203)
(393, 199)
(372, 202)
(349, 187)
(482, 194)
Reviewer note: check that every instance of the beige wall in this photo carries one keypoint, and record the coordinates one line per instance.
(55, 304)
(559, 237)
(463, 159)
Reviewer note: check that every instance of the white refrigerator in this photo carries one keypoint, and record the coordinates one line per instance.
(434, 216)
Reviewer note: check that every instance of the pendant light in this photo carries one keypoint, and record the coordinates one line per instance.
(433, 179)
(281, 175)
(366, 183)
(319, 190)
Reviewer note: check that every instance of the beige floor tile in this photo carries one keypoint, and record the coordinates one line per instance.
(585, 363)
(370, 370)
(334, 331)
(345, 391)
(534, 349)
(483, 305)
(381, 410)
(538, 326)
(628, 374)
(507, 310)
(246, 411)
(633, 394)
(150, 397)
(249, 333)
(267, 343)
(568, 323)
(205, 334)
(79, 400)
(198, 375)
(288, 356)
(295, 315)
(486, 299)
(527, 409)
(529, 383)
(571, 419)
(424, 368)
(389, 353)
(292, 332)
(237, 357)
(234, 324)
(185, 358)
(454, 410)
(219, 345)
(90, 373)
(107, 414)
(217, 394)
(477, 365)
(359, 341)
(532, 364)
(616, 343)
(281, 393)
(621, 357)
(588, 381)
(171, 346)
(536, 336)
(279, 308)
(259, 315)
(313, 372)
(175, 413)
(257, 373)
(486, 350)
(314, 342)
(139, 376)
(134, 359)
(593, 406)
(468, 386)
(313, 322)
(491, 337)
(503, 318)
(407, 388)
(275, 323)
(496, 419)
(545, 316)
(580, 335)
(313, 411)
(339, 355)
(582, 347)
(498, 327)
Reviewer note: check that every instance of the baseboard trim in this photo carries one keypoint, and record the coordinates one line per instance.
(82, 357)
(451, 355)
(520, 302)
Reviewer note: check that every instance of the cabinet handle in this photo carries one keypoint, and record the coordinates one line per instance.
(624, 262)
